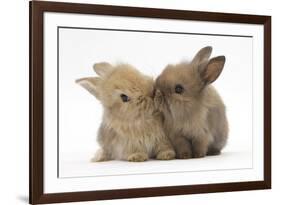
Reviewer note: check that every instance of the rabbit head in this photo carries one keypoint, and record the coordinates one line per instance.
(122, 90)
(184, 83)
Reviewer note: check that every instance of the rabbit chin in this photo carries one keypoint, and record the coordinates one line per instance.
(180, 102)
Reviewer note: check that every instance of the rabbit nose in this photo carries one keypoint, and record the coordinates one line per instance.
(153, 93)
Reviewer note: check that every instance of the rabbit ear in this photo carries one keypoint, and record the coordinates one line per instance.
(213, 69)
(102, 68)
(202, 56)
(90, 84)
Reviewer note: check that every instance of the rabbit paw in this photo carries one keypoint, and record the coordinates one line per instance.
(166, 155)
(137, 157)
(200, 146)
(184, 155)
(199, 154)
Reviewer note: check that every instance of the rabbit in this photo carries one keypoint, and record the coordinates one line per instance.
(131, 127)
(194, 113)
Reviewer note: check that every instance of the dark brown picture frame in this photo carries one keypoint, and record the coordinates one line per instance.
(37, 8)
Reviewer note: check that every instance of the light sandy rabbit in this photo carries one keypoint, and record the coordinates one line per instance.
(194, 113)
(131, 128)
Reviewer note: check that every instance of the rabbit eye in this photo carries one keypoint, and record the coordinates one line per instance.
(124, 98)
(178, 89)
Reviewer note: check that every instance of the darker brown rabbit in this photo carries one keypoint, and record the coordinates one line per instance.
(194, 113)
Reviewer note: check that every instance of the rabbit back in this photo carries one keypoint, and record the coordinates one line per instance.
(217, 122)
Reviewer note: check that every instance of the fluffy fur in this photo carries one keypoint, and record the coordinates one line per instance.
(194, 116)
(130, 130)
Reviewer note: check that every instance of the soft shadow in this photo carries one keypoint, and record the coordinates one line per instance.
(23, 199)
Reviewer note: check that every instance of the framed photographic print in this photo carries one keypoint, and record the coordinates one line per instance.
(137, 102)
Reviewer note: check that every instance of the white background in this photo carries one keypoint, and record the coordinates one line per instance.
(81, 113)
(14, 102)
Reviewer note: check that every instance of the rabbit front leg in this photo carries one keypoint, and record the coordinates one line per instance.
(200, 144)
(182, 147)
(135, 153)
(164, 150)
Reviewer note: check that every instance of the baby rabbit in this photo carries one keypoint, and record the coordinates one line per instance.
(131, 128)
(194, 114)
